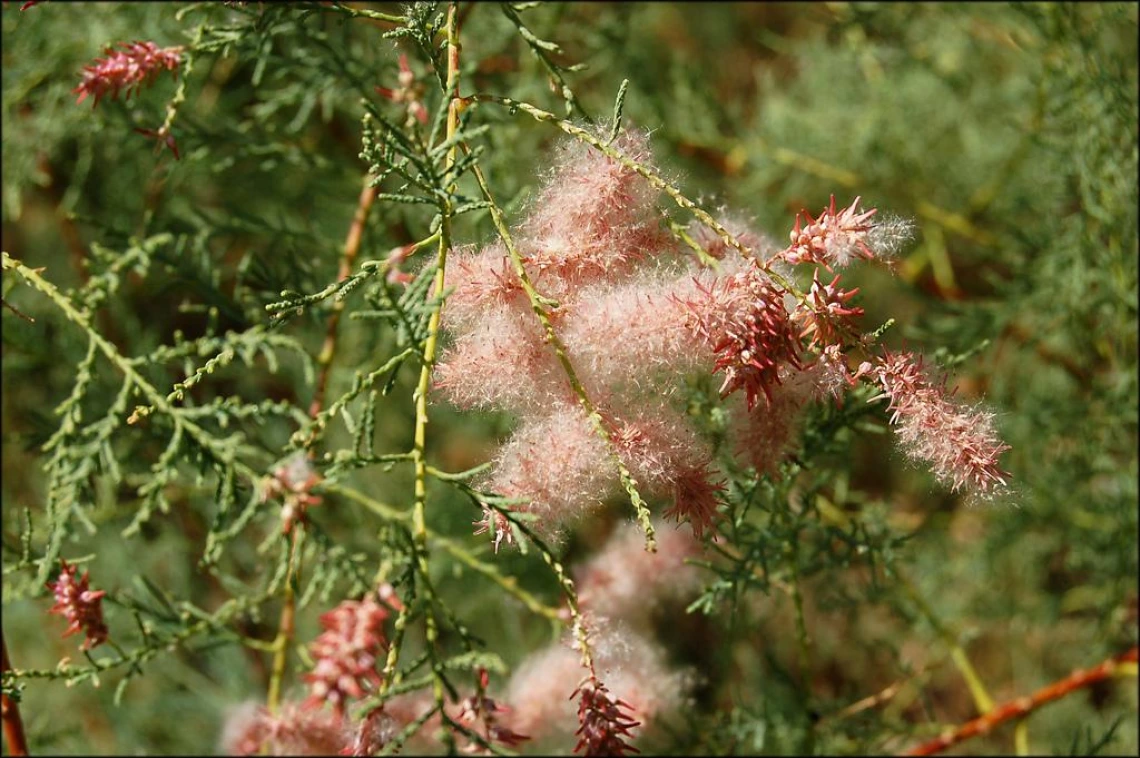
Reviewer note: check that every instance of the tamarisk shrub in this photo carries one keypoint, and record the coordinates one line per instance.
(241, 388)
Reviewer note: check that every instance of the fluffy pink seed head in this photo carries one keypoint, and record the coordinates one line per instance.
(959, 444)
(557, 463)
(623, 581)
(594, 218)
(502, 362)
(483, 282)
(633, 336)
(657, 444)
(667, 457)
(760, 245)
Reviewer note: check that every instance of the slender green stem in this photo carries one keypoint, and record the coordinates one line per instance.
(489, 570)
(285, 625)
(431, 345)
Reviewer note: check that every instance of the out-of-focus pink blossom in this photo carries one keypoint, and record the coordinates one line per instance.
(409, 92)
(250, 729)
(623, 581)
(558, 464)
(80, 605)
(126, 69)
(292, 481)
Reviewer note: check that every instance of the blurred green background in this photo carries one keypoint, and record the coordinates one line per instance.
(1007, 132)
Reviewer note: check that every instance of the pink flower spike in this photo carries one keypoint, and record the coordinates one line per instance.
(128, 68)
(80, 605)
(960, 445)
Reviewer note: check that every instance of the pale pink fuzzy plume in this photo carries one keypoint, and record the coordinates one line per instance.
(250, 729)
(558, 463)
(744, 319)
(482, 281)
(594, 218)
(666, 456)
(632, 667)
(636, 323)
(623, 581)
(835, 238)
(504, 363)
(960, 445)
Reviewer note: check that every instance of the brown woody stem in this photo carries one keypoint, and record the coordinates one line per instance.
(1023, 706)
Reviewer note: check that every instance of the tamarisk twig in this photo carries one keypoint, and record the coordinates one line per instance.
(1023, 706)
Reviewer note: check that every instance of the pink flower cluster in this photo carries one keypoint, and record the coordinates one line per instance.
(638, 317)
(348, 651)
(80, 605)
(128, 68)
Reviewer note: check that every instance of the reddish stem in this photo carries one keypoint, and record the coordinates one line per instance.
(10, 712)
(1023, 706)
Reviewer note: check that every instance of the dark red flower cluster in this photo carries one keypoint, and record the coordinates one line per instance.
(604, 726)
(128, 68)
(80, 605)
(744, 319)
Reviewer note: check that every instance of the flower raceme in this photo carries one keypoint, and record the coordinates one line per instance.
(126, 69)
(639, 318)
